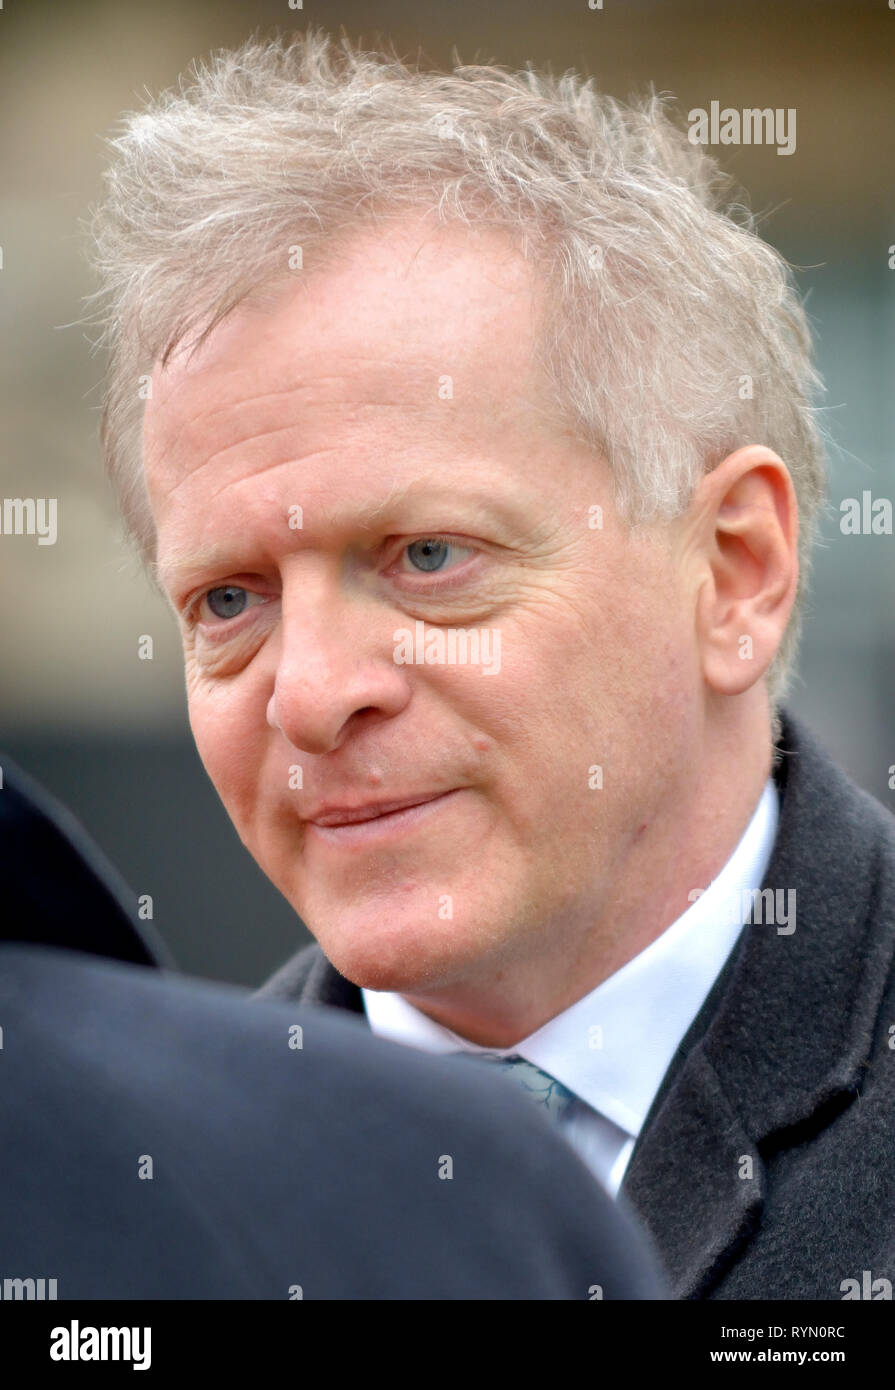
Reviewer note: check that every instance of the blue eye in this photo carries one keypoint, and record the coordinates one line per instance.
(431, 553)
(227, 602)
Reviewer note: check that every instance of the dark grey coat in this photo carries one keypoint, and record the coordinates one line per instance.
(283, 1164)
(790, 1064)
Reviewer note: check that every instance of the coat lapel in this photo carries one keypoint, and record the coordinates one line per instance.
(684, 1181)
(781, 1043)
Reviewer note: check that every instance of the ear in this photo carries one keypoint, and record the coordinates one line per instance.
(745, 544)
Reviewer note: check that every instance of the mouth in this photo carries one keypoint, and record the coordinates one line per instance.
(349, 826)
(345, 815)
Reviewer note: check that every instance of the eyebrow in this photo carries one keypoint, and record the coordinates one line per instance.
(188, 560)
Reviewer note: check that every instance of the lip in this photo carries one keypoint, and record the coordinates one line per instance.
(350, 815)
(356, 825)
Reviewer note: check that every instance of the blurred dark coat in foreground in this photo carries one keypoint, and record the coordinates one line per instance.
(164, 1138)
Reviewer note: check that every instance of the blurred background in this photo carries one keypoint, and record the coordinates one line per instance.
(107, 732)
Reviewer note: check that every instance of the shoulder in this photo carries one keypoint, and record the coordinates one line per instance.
(291, 980)
(309, 978)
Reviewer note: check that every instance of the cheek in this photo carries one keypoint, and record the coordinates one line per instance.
(641, 628)
(604, 682)
(230, 741)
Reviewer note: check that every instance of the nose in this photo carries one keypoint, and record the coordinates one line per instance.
(333, 667)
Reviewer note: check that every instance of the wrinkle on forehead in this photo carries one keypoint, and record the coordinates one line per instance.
(179, 424)
(477, 271)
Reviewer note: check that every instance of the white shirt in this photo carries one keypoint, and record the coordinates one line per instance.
(613, 1047)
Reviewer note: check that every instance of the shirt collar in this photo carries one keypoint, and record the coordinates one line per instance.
(613, 1046)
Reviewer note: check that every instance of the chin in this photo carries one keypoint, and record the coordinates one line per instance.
(393, 959)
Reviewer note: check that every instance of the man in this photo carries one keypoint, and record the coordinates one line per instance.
(478, 464)
(160, 1140)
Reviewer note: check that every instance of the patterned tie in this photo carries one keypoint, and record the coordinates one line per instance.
(542, 1089)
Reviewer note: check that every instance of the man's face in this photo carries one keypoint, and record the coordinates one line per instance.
(392, 399)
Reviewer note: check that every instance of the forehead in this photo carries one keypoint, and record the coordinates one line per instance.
(408, 316)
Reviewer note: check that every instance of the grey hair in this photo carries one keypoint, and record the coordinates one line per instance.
(673, 334)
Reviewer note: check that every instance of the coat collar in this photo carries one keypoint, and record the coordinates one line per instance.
(324, 985)
(784, 1035)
